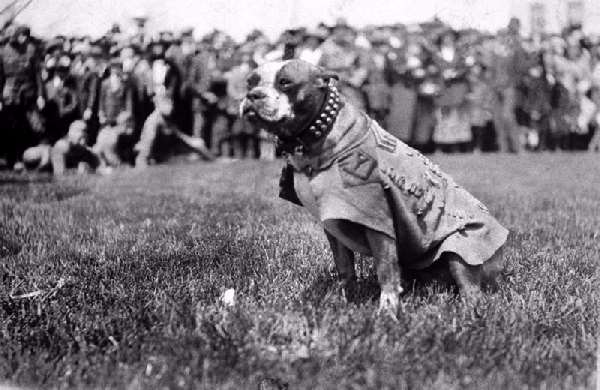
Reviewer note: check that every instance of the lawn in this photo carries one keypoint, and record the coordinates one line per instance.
(115, 282)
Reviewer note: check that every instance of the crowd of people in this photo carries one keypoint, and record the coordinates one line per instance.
(95, 104)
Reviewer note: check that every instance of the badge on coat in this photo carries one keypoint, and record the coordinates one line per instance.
(357, 168)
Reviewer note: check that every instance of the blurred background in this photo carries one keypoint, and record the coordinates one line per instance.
(96, 85)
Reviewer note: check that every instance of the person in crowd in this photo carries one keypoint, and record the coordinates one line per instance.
(37, 158)
(160, 136)
(400, 62)
(165, 75)
(115, 95)
(113, 145)
(241, 139)
(426, 75)
(481, 104)
(195, 68)
(375, 87)
(62, 99)
(508, 68)
(452, 131)
(21, 95)
(71, 151)
(89, 82)
(340, 55)
(310, 49)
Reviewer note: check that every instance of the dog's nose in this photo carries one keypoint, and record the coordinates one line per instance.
(256, 94)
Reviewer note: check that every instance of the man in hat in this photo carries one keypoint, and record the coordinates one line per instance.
(376, 88)
(88, 87)
(310, 51)
(21, 95)
(195, 80)
(62, 99)
(115, 95)
(166, 78)
(340, 55)
(508, 68)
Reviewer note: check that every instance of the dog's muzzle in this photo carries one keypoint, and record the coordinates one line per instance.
(247, 110)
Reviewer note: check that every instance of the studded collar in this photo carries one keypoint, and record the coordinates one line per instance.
(316, 129)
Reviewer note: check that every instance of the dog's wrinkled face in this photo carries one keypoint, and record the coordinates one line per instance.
(283, 96)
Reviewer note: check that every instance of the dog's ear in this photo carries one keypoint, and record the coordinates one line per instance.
(325, 78)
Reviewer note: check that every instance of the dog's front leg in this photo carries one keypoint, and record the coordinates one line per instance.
(387, 265)
(344, 264)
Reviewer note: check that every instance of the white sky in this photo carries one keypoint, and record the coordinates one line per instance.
(238, 17)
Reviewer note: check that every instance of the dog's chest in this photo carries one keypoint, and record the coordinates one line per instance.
(307, 195)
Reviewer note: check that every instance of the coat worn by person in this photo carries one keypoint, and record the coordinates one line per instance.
(403, 95)
(20, 86)
(61, 108)
(20, 81)
(115, 97)
(371, 178)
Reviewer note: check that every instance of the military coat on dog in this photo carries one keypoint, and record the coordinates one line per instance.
(368, 175)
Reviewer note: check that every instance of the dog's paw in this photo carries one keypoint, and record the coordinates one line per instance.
(348, 290)
(389, 301)
(471, 296)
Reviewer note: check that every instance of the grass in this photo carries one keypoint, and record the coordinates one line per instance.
(128, 270)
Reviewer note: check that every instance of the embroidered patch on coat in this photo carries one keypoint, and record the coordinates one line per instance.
(385, 140)
(359, 165)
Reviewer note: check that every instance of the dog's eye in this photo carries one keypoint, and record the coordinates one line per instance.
(283, 82)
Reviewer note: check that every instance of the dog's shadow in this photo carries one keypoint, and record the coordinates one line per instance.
(421, 284)
(325, 287)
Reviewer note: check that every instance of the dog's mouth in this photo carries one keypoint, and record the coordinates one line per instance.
(261, 115)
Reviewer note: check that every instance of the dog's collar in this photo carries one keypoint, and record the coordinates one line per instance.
(316, 129)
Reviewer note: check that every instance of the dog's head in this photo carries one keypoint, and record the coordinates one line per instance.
(284, 96)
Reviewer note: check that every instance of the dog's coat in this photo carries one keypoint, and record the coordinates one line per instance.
(347, 181)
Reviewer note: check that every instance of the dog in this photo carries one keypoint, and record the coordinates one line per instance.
(372, 193)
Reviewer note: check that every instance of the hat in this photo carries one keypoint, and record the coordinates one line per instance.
(22, 29)
(255, 35)
(445, 33)
(115, 29)
(53, 44)
(166, 37)
(187, 33)
(318, 34)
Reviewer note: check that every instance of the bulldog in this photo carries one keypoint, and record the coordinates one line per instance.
(372, 193)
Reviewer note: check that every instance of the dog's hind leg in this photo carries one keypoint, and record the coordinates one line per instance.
(467, 277)
(383, 249)
(492, 270)
(344, 264)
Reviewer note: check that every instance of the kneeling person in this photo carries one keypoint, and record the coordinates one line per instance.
(113, 145)
(72, 152)
(160, 136)
(38, 157)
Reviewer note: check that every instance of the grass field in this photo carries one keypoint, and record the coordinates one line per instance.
(115, 282)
